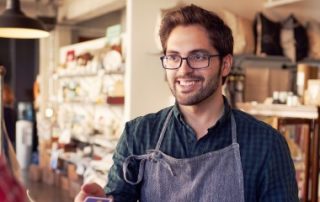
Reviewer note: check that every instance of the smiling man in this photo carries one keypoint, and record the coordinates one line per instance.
(199, 149)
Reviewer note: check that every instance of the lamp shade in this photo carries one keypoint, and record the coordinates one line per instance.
(15, 24)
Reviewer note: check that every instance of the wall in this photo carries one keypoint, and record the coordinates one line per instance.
(146, 90)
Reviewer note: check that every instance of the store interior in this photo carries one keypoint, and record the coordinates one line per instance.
(99, 67)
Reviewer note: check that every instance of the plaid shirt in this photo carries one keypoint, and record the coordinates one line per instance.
(268, 169)
(10, 188)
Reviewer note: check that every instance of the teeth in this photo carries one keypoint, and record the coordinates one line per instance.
(187, 83)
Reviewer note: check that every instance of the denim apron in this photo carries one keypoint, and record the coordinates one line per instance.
(211, 177)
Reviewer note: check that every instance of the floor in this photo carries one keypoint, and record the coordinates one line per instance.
(41, 192)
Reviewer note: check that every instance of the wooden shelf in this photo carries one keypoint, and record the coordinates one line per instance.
(264, 61)
(271, 61)
(279, 110)
(88, 74)
(310, 61)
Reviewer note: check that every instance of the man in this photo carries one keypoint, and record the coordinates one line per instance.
(200, 149)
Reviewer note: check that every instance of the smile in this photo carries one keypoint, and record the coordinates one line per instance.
(187, 85)
(187, 82)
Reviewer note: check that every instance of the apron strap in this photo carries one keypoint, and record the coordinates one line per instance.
(233, 129)
(141, 167)
(153, 155)
(163, 130)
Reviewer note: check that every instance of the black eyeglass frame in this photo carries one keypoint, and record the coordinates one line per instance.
(186, 58)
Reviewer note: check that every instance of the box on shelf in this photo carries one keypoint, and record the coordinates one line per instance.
(74, 187)
(115, 100)
(34, 173)
(312, 93)
(48, 176)
(44, 156)
(72, 174)
(64, 181)
(304, 73)
(261, 82)
(57, 179)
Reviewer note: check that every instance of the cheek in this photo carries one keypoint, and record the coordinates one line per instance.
(169, 76)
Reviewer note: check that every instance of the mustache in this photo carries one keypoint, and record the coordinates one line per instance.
(189, 76)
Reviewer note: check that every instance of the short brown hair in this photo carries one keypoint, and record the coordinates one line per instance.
(220, 34)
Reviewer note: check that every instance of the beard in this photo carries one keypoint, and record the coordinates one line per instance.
(208, 89)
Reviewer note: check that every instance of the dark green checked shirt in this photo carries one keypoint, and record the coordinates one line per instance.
(269, 174)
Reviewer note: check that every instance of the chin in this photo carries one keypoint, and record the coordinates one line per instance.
(187, 102)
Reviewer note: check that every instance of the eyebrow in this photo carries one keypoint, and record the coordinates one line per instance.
(191, 52)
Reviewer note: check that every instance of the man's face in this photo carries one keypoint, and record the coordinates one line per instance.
(192, 86)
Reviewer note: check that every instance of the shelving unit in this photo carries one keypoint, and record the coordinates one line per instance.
(284, 115)
(87, 98)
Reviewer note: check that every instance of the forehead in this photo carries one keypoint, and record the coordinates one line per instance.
(184, 39)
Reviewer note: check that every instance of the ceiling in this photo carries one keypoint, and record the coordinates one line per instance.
(75, 11)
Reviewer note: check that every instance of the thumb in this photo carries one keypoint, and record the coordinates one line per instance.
(93, 189)
(89, 189)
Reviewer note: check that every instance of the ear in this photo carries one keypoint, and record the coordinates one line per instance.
(226, 64)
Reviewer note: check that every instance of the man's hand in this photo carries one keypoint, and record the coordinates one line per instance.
(89, 189)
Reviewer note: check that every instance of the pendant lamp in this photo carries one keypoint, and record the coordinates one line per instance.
(15, 24)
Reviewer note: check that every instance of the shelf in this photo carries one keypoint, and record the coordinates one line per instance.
(265, 61)
(81, 102)
(275, 3)
(88, 74)
(310, 61)
(271, 61)
(279, 110)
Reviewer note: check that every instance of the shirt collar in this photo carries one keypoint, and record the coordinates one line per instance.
(224, 118)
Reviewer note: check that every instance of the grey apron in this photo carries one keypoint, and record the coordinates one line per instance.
(211, 177)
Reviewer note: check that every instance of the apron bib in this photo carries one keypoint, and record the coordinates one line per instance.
(211, 177)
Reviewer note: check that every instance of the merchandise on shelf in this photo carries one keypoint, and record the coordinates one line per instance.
(86, 125)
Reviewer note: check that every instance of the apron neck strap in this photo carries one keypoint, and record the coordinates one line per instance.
(233, 129)
(163, 130)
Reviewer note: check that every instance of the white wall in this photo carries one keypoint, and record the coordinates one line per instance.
(146, 90)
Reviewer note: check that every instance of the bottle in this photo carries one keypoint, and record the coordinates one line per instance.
(275, 97)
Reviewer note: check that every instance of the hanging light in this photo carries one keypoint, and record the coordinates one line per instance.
(15, 24)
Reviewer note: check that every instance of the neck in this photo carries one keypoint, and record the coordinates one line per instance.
(203, 115)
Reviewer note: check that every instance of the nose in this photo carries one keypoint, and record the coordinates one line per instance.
(185, 68)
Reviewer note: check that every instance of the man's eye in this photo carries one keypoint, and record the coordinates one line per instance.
(198, 57)
(173, 57)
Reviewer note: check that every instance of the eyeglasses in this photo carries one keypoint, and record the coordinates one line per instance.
(195, 61)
